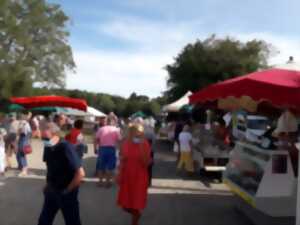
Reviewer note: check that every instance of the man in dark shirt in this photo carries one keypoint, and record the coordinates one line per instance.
(64, 175)
(178, 129)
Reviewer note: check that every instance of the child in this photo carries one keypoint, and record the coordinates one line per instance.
(186, 158)
(2, 151)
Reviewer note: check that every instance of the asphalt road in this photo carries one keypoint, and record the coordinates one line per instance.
(173, 199)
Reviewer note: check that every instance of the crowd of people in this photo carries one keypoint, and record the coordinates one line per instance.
(124, 156)
(15, 135)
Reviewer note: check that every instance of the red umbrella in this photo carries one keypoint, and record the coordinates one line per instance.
(279, 87)
(56, 101)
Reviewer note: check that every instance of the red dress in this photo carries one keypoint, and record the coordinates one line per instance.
(133, 177)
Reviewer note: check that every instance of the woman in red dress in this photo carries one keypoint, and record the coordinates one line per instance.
(133, 175)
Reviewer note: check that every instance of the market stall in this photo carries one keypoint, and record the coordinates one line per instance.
(211, 146)
(263, 177)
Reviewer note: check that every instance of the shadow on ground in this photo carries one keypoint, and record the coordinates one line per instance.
(21, 201)
(89, 165)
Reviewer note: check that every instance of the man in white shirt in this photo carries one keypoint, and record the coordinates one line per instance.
(2, 151)
(186, 158)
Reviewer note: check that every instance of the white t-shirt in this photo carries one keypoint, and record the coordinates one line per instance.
(2, 135)
(80, 139)
(184, 139)
(24, 127)
(13, 127)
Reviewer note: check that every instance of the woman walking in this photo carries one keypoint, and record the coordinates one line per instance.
(24, 138)
(133, 174)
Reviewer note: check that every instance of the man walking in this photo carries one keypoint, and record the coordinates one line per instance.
(106, 141)
(64, 175)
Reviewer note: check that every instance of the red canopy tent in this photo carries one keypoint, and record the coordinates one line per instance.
(278, 87)
(57, 101)
(275, 88)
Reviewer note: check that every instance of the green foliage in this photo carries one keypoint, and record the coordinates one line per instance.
(212, 60)
(33, 46)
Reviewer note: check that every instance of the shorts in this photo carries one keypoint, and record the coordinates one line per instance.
(11, 141)
(106, 159)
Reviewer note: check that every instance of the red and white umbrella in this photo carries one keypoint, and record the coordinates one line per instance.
(278, 86)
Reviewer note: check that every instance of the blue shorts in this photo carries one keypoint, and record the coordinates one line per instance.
(106, 159)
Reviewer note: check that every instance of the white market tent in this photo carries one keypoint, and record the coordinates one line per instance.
(95, 112)
(75, 112)
(91, 112)
(177, 105)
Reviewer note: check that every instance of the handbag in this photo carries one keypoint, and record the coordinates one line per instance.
(27, 149)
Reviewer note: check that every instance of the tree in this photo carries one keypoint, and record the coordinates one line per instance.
(106, 103)
(134, 97)
(212, 60)
(33, 45)
(152, 108)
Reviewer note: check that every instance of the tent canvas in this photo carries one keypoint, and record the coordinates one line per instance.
(177, 105)
(95, 112)
(90, 112)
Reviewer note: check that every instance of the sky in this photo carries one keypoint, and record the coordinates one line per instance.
(122, 46)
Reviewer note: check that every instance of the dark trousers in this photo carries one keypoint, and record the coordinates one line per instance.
(150, 169)
(54, 201)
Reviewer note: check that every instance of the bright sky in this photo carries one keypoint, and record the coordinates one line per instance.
(121, 46)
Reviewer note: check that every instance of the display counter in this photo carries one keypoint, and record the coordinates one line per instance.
(263, 178)
(206, 152)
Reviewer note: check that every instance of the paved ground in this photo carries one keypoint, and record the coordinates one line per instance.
(172, 200)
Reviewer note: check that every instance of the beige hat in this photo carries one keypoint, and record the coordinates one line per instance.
(287, 123)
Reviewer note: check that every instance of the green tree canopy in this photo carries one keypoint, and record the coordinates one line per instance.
(212, 60)
(33, 46)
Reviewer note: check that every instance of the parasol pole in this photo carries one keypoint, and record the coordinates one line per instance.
(298, 194)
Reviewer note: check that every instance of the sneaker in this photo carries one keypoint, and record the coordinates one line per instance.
(22, 174)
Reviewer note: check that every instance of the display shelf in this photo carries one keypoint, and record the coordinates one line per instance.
(260, 162)
(259, 150)
(262, 178)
